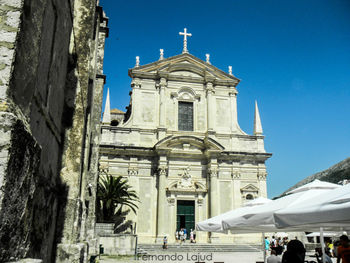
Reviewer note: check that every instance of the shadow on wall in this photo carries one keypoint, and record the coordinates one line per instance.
(42, 89)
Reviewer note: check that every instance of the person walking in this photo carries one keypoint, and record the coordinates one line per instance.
(295, 252)
(191, 236)
(267, 244)
(330, 247)
(181, 233)
(165, 242)
(343, 251)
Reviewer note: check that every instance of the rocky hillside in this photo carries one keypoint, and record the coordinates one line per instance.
(334, 174)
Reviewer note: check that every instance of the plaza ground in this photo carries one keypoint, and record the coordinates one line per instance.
(231, 257)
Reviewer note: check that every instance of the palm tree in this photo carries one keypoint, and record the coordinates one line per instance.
(113, 194)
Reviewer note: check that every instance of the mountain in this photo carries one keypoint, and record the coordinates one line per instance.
(334, 174)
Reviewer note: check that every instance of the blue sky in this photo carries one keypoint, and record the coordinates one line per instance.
(293, 57)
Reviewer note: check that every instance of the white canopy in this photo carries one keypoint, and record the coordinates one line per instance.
(330, 210)
(316, 184)
(325, 234)
(214, 224)
(261, 218)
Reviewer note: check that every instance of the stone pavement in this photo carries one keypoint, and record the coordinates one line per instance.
(210, 257)
(219, 257)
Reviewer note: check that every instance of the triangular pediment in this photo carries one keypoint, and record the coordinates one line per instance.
(188, 144)
(249, 188)
(184, 65)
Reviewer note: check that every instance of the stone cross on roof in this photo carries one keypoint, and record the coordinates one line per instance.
(185, 34)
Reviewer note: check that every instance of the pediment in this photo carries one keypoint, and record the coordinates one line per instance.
(188, 144)
(184, 65)
(193, 186)
(249, 188)
(186, 73)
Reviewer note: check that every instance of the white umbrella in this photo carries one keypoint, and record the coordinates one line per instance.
(316, 184)
(214, 224)
(261, 219)
(325, 234)
(330, 210)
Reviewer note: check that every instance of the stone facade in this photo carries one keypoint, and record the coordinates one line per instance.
(51, 82)
(214, 165)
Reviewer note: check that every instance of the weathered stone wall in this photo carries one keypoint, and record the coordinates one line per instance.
(48, 82)
(118, 244)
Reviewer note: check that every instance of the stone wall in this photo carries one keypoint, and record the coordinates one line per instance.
(118, 244)
(50, 76)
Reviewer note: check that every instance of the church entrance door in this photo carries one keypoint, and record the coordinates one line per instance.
(185, 216)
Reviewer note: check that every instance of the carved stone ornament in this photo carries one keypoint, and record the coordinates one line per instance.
(162, 170)
(210, 88)
(136, 83)
(186, 179)
(262, 176)
(185, 186)
(163, 82)
(133, 171)
(200, 201)
(171, 201)
(104, 167)
(213, 172)
(236, 175)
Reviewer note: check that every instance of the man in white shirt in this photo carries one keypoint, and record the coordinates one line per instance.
(274, 258)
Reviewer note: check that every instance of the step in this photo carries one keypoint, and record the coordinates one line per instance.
(152, 248)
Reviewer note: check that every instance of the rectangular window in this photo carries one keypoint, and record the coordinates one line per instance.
(185, 118)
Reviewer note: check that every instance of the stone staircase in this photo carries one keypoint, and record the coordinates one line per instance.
(188, 247)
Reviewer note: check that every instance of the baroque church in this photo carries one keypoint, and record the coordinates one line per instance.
(180, 146)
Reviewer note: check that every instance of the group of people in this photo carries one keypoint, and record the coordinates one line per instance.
(181, 235)
(277, 244)
(295, 251)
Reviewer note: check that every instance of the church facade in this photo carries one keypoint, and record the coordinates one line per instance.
(181, 147)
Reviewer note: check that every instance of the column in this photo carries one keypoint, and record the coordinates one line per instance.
(262, 181)
(201, 215)
(210, 106)
(213, 194)
(135, 113)
(237, 197)
(233, 101)
(214, 210)
(162, 111)
(213, 187)
(162, 201)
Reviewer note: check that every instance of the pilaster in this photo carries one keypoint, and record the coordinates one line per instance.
(261, 176)
(237, 199)
(162, 200)
(213, 187)
(233, 102)
(210, 106)
(162, 102)
(136, 115)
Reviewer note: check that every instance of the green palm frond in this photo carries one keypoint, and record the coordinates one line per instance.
(113, 193)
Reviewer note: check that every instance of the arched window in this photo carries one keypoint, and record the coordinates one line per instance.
(249, 197)
(114, 123)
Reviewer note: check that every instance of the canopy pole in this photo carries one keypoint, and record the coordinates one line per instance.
(263, 240)
(322, 245)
